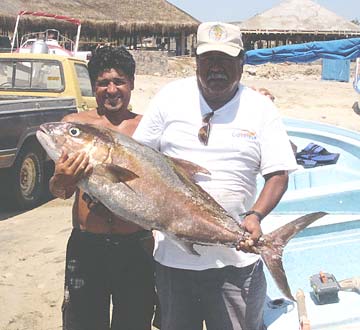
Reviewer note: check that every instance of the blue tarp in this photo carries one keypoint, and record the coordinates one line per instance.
(345, 49)
(335, 70)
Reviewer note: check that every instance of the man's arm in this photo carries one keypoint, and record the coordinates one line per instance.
(276, 152)
(265, 92)
(276, 184)
(274, 188)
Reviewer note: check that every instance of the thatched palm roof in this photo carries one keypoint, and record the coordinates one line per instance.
(99, 17)
(299, 16)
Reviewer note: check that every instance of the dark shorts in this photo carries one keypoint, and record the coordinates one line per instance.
(228, 298)
(104, 268)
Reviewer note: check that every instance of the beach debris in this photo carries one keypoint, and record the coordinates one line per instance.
(325, 288)
(350, 284)
(302, 312)
(251, 70)
(356, 108)
(141, 185)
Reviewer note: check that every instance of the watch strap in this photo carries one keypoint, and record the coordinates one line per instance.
(259, 215)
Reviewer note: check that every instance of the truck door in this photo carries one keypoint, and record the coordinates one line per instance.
(87, 99)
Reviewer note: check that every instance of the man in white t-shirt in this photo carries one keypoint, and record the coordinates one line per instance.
(235, 133)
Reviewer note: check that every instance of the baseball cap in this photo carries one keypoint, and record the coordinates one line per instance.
(221, 37)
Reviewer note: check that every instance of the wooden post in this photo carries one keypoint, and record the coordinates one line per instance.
(302, 313)
(168, 43)
(182, 43)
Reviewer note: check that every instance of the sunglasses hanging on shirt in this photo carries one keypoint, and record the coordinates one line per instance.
(204, 131)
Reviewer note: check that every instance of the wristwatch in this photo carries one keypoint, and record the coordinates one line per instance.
(258, 214)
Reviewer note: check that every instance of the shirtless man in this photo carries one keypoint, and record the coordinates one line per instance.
(106, 257)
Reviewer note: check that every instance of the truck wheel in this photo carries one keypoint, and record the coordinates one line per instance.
(28, 178)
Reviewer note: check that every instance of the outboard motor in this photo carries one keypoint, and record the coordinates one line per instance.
(39, 47)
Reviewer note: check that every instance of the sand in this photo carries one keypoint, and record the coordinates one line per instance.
(32, 248)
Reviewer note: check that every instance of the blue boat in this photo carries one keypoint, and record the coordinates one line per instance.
(328, 251)
(331, 244)
(334, 188)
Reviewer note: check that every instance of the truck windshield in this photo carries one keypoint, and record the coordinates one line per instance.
(31, 75)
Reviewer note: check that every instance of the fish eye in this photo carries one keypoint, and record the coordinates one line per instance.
(74, 131)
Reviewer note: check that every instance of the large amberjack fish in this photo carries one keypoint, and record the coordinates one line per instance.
(143, 186)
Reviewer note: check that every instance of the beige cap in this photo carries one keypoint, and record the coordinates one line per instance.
(221, 37)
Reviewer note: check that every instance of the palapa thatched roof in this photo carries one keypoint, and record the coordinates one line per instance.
(300, 17)
(103, 17)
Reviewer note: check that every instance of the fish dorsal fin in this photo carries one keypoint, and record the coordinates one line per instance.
(114, 173)
(187, 171)
(190, 168)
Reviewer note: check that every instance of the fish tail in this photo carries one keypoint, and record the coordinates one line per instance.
(273, 245)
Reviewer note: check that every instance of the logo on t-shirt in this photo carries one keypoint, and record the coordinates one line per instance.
(244, 134)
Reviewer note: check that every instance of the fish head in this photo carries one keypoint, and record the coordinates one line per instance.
(75, 137)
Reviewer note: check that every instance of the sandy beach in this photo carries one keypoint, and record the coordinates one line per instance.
(33, 243)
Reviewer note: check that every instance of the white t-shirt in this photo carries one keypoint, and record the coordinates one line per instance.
(247, 137)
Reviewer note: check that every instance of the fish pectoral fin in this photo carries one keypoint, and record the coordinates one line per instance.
(114, 173)
(189, 167)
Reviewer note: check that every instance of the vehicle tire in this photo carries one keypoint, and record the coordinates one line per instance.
(28, 178)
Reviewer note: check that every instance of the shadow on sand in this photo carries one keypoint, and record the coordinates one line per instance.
(7, 210)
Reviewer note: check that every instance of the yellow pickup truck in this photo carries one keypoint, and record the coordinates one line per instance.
(35, 88)
(29, 75)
